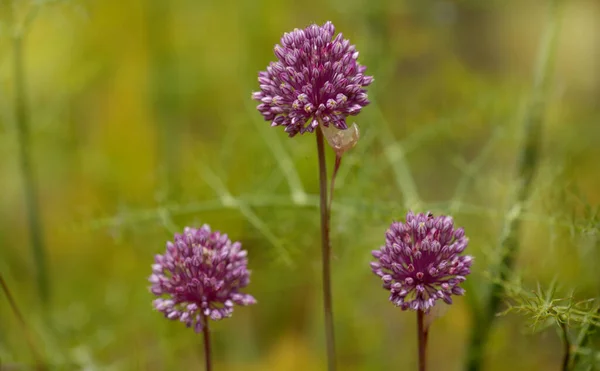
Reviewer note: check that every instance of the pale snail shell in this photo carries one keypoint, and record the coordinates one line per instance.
(341, 140)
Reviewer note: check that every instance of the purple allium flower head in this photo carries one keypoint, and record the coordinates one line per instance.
(199, 277)
(420, 262)
(317, 79)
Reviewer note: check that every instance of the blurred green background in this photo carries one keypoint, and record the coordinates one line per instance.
(141, 123)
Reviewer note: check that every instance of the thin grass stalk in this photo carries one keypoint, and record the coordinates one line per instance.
(528, 161)
(39, 361)
(326, 254)
(30, 188)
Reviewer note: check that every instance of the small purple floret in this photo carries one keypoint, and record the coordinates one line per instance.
(199, 277)
(316, 80)
(420, 262)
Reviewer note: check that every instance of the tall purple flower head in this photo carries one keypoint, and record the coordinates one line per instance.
(199, 277)
(316, 79)
(420, 262)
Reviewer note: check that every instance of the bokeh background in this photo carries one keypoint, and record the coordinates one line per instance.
(141, 122)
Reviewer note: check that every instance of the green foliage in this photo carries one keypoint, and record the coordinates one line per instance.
(543, 308)
(442, 135)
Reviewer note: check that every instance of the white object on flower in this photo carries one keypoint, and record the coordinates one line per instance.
(341, 140)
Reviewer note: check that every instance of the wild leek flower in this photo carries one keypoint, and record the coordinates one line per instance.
(420, 261)
(199, 277)
(316, 80)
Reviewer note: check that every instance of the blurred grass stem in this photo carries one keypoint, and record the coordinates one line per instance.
(40, 364)
(207, 349)
(164, 88)
(422, 339)
(526, 166)
(326, 254)
(22, 122)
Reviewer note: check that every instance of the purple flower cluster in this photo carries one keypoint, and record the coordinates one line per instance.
(420, 262)
(199, 277)
(317, 79)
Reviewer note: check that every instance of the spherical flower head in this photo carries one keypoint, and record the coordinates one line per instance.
(316, 79)
(199, 277)
(420, 261)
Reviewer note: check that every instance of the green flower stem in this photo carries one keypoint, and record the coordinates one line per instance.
(422, 340)
(336, 167)
(326, 253)
(207, 348)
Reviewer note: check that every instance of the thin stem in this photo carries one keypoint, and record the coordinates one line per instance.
(29, 183)
(422, 336)
(338, 162)
(41, 365)
(567, 345)
(326, 254)
(207, 352)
